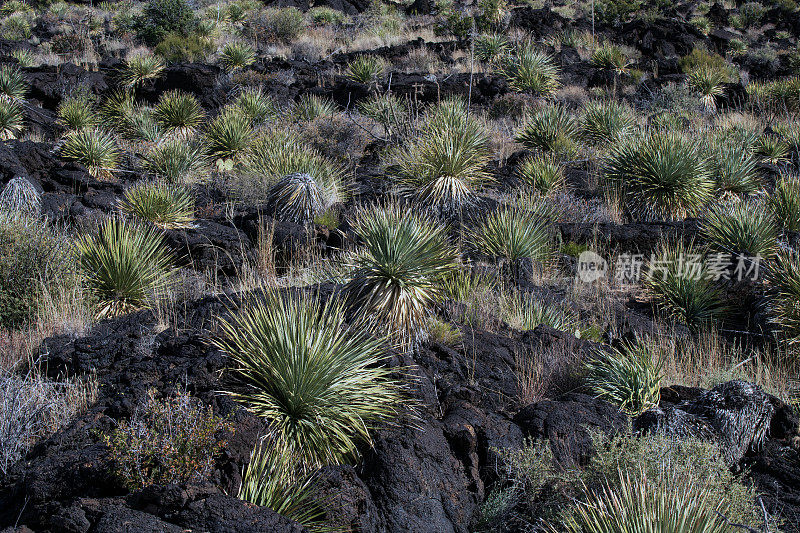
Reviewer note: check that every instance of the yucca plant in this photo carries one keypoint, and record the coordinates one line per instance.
(551, 129)
(513, 234)
(531, 70)
(161, 204)
(116, 108)
(785, 202)
(175, 160)
(442, 168)
(276, 480)
(366, 69)
(311, 106)
(229, 135)
(491, 47)
(386, 109)
(93, 148)
(236, 56)
(682, 287)
(629, 377)
(709, 83)
(256, 105)
(783, 297)
(12, 84)
(140, 68)
(397, 271)
(523, 311)
(771, 149)
(76, 112)
(606, 121)
(140, 124)
(125, 266)
(296, 198)
(741, 227)
(178, 112)
(633, 503)
(275, 155)
(11, 119)
(735, 169)
(25, 58)
(662, 175)
(543, 172)
(610, 58)
(315, 379)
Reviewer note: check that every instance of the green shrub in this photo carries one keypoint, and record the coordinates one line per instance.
(178, 112)
(783, 301)
(229, 134)
(76, 112)
(175, 160)
(12, 83)
(616, 11)
(256, 105)
(514, 234)
(610, 58)
(11, 119)
(140, 68)
(326, 15)
(662, 175)
(236, 55)
(735, 169)
(93, 148)
(442, 168)
(276, 480)
(708, 82)
(311, 106)
(530, 70)
(771, 148)
(741, 228)
(163, 205)
(681, 286)
(275, 155)
(551, 129)
(785, 202)
(32, 257)
(628, 377)
(386, 109)
(606, 121)
(491, 47)
(543, 172)
(366, 69)
(523, 311)
(542, 490)
(177, 48)
(397, 271)
(281, 25)
(170, 440)
(125, 266)
(315, 379)
(163, 17)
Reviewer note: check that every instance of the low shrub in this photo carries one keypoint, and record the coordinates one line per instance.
(160, 18)
(169, 440)
(178, 48)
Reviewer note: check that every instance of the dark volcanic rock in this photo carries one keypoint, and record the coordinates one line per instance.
(566, 423)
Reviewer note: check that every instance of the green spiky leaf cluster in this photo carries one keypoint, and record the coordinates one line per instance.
(161, 204)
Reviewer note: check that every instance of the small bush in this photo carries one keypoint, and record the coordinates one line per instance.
(11, 120)
(311, 106)
(280, 25)
(735, 169)
(442, 168)
(783, 302)
(178, 112)
(741, 228)
(543, 172)
(523, 311)
(170, 440)
(326, 15)
(165, 206)
(386, 109)
(397, 272)
(551, 129)
(175, 160)
(681, 286)
(177, 48)
(605, 122)
(662, 176)
(256, 105)
(12, 83)
(366, 69)
(162, 17)
(315, 379)
(785, 202)
(76, 112)
(514, 234)
(531, 70)
(229, 135)
(125, 266)
(628, 377)
(491, 47)
(236, 55)
(32, 258)
(93, 148)
(140, 68)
